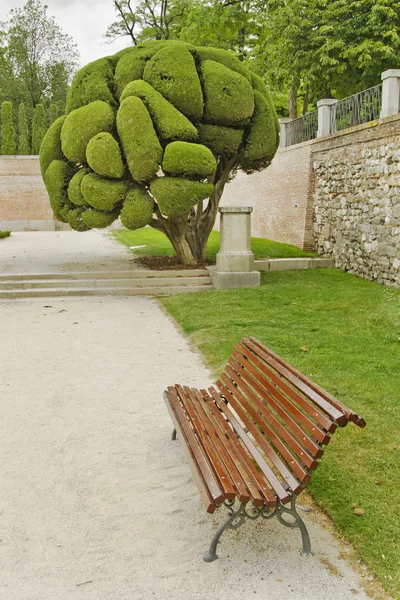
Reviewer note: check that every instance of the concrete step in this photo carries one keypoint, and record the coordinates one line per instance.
(103, 291)
(131, 274)
(139, 282)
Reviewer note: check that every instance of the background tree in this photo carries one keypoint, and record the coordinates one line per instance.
(23, 131)
(36, 54)
(54, 113)
(39, 128)
(196, 113)
(8, 137)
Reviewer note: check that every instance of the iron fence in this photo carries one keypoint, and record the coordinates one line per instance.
(302, 129)
(357, 109)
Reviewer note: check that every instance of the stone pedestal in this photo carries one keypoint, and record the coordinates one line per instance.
(390, 93)
(324, 116)
(235, 260)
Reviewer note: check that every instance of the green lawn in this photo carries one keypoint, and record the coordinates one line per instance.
(4, 234)
(351, 328)
(156, 244)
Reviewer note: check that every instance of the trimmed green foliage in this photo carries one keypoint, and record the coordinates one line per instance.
(39, 128)
(190, 160)
(74, 188)
(75, 219)
(4, 234)
(169, 122)
(228, 96)
(176, 196)
(8, 137)
(93, 82)
(57, 178)
(95, 219)
(23, 131)
(220, 140)
(81, 125)
(138, 207)
(103, 155)
(172, 72)
(225, 58)
(261, 141)
(131, 65)
(100, 193)
(259, 85)
(51, 145)
(140, 143)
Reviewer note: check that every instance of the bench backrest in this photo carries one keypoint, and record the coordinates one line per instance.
(270, 397)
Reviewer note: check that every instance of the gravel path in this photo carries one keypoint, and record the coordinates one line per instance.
(63, 252)
(97, 503)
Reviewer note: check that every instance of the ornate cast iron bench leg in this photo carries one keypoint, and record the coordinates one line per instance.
(238, 517)
(173, 436)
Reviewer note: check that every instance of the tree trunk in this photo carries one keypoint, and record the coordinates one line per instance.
(293, 97)
(189, 234)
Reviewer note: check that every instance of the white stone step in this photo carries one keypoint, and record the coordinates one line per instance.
(101, 283)
(130, 274)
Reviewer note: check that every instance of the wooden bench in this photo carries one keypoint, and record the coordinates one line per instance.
(255, 437)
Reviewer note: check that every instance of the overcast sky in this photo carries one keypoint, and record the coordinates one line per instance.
(85, 21)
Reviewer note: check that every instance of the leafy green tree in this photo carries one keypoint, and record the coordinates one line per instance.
(147, 20)
(39, 128)
(54, 113)
(23, 131)
(8, 137)
(36, 49)
(195, 113)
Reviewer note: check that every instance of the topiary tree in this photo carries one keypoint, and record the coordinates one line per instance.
(23, 131)
(8, 137)
(39, 128)
(152, 134)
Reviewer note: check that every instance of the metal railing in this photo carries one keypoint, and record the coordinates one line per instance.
(357, 109)
(302, 129)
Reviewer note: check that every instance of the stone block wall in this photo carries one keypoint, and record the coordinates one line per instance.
(357, 200)
(24, 203)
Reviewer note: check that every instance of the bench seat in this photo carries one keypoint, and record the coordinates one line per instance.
(258, 434)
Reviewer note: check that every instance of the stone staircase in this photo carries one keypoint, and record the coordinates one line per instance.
(104, 283)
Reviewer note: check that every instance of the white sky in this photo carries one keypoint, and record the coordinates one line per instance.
(85, 21)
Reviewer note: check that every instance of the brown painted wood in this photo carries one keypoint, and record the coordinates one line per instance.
(205, 495)
(341, 408)
(298, 403)
(205, 440)
(261, 439)
(201, 459)
(275, 431)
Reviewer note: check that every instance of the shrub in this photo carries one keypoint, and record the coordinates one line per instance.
(103, 155)
(176, 196)
(4, 234)
(137, 209)
(23, 131)
(74, 188)
(96, 219)
(51, 145)
(57, 178)
(103, 194)
(8, 137)
(190, 160)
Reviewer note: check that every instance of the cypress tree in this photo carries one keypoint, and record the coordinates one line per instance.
(39, 128)
(23, 132)
(54, 113)
(8, 137)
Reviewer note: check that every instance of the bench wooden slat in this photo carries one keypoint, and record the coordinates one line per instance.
(272, 427)
(297, 438)
(331, 400)
(221, 443)
(272, 478)
(292, 400)
(261, 440)
(257, 486)
(205, 495)
(216, 465)
(281, 368)
(201, 459)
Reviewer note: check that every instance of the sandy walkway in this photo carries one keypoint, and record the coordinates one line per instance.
(96, 502)
(63, 251)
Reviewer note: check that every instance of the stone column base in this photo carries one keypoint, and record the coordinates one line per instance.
(224, 280)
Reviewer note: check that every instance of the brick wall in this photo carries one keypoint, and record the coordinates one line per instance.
(280, 196)
(24, 203)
